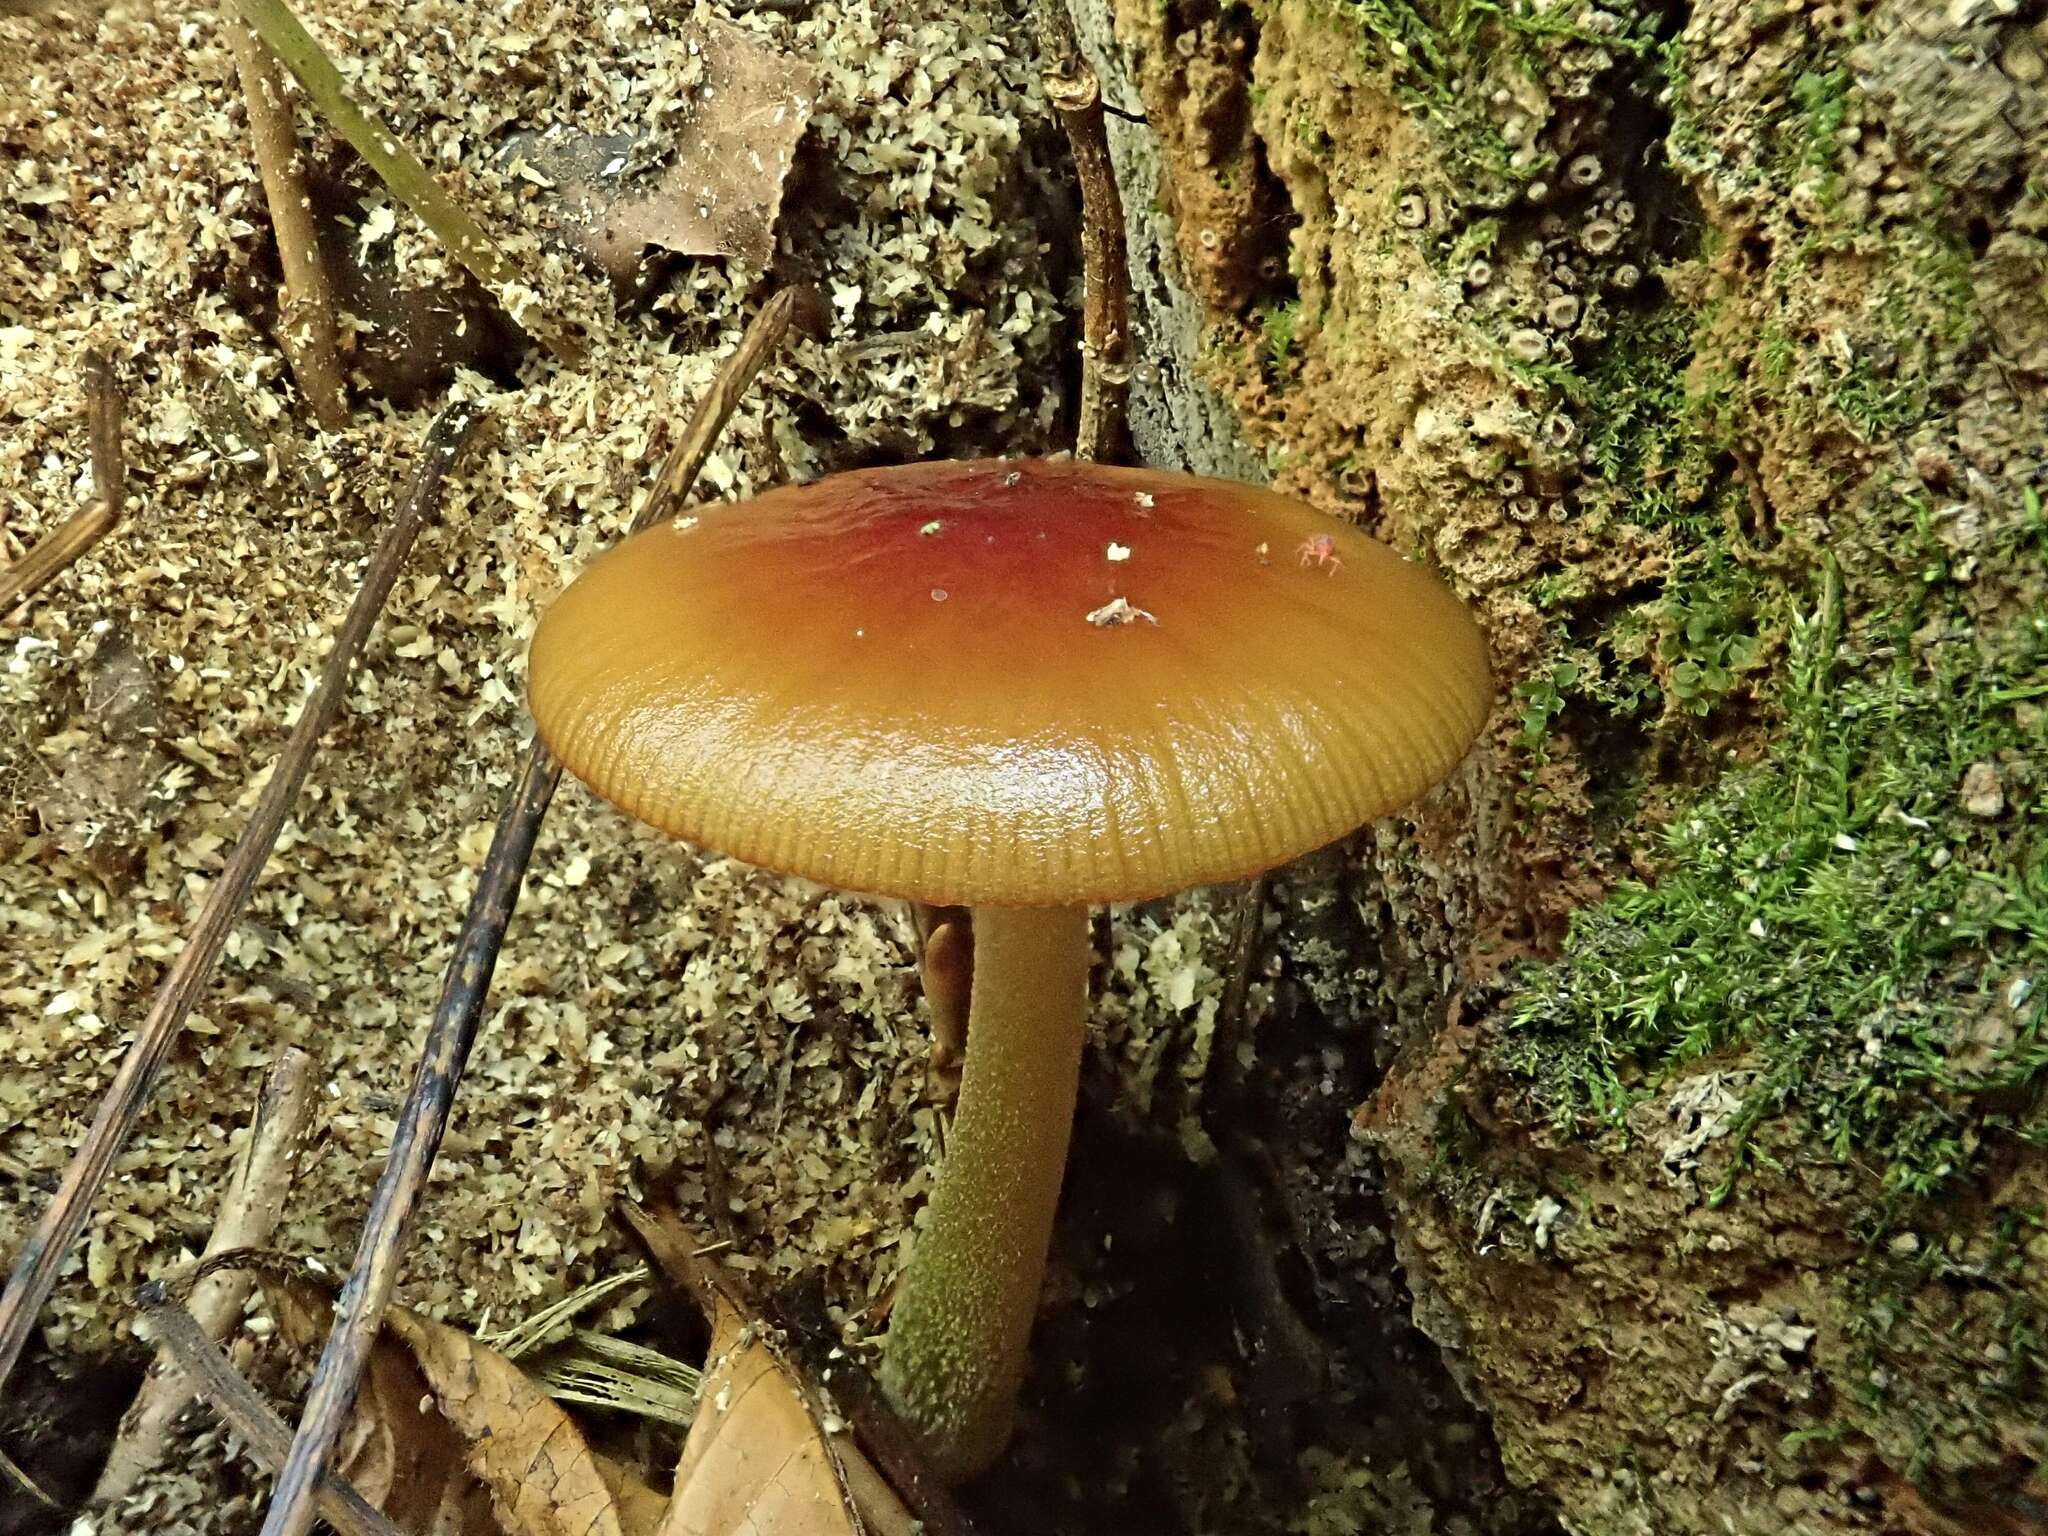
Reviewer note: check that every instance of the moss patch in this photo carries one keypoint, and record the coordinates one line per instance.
(1444, 58)
(1855, 929)
(1651, 434)
(1837, 913)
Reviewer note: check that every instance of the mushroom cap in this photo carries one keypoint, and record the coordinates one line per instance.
(1008, 681)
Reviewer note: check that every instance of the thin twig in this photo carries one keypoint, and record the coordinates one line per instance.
(551, 1323)
(55, 551)
(601, 1371)
(35, 1272)
(680, 469)
(267, 1436)
(400, 170)
(12, 1472)
(359, 1311)
(307, 313)
(103, 432)
(1076, 94)
(249, 1213)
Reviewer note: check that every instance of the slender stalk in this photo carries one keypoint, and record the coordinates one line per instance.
(307, 313)
(249, 1213)
(400, 170)
(1076, 95)
(55, 552)
(35, 1271)
(359, 1311)
(960, 1334)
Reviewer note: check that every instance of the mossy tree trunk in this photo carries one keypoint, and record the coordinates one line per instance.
(1706, 351)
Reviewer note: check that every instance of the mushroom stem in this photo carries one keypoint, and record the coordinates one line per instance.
(960, 1332)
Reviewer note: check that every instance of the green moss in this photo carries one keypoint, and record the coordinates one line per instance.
(1835, 924)
(1930, 1391)
(1441, 57)
(1799, 134)
(1834, 919)
(1794, 1445)
(1938, 259)
(1686, 141)
(1829, 923)
(1278, 322)
(1776, 354)
(1458, 251)
(1653, 425)
(1875, 404)
(1889, 369)
(1653, 449)
(1559, 589)
(1652, 432)
(1820, 98)
(1712, 630)
(1436, 47)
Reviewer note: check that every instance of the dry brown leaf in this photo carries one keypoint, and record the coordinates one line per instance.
(403, 1458)
(757, 1462)
(527, 1451)
(640, 1507)
(447, 1431)
(754, 1461)
(723, 159)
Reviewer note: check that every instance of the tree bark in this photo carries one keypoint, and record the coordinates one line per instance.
(1706, 353)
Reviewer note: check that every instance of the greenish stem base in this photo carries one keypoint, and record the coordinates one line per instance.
(960, 1333)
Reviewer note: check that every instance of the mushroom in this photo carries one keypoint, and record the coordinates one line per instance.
(1021, 687)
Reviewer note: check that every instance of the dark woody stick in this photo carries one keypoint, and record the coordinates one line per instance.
(35, 1270)
(1076, 95)
(246, 1413)
(359, 1311)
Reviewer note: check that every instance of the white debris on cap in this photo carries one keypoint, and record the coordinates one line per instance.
(1117, 612)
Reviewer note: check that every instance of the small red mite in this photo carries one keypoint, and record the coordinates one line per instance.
(1321, 551)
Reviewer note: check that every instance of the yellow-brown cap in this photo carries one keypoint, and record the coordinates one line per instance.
(1008, 681)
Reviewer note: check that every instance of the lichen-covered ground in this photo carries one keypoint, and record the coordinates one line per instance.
(1706, 348)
